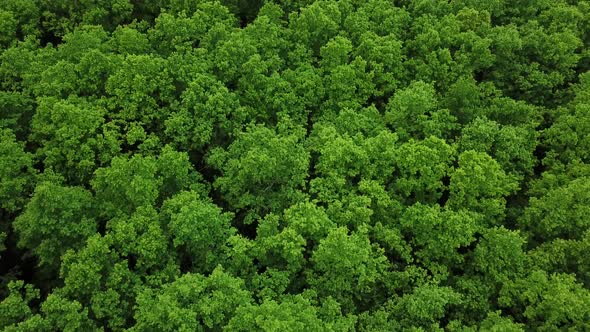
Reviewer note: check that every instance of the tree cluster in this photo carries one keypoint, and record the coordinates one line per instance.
(294, 165)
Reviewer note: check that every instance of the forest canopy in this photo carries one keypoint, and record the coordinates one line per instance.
(240, 165)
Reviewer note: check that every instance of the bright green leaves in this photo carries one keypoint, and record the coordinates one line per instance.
(348, 166)
(418, 99)
(127, 184)
(73, 138)
(80, 41)
(127, 40)
(347, 83)
(100, 280)
(547, 302)
(177, 173)
(294, 313)
(186, 28)
(474, 53)
(316, 24)
(569, 136)
(378, 17)
(425, 306)
(413, 113)
(262, 170)
(480, 184)
(26, 17)
(250, 59)
(340, 158)
(57, 313)
(564, 256)
(192, 302)
(294, 165)
(384, 57)
(418, 310)
(382, 170)
(62, 16)
(16, 172)
(171, 33)
(421, 168)
(83, 270)
(15, 110)
(62, 314)
(266, 95)
(500, 254)
(556, 54)
(198, 229)
(139, 236)
(56, 219)
(140, 90)
(309, 220)
(204, 114)
(78, 67)
(561, 212)
(511, 146)
(344, 159)
(7, 28)
(269, 33)
(348, 268)
(142, 181)
(279, 248)
(497, 323)
(307, 85)
(107, 274)
(335, 53)
(437, 235)
(451, 46)
(14, 308)
(282, 247)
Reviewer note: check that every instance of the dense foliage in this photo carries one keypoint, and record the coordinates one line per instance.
(380, 165)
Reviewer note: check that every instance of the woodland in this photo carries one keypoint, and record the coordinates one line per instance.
(294, 165)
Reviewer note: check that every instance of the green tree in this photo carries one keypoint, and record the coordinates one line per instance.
(421, 169)
(561, 212)
(141, 90)
(262, 170)
(316, 24)
(436, 236)
(547, 302)
(499, 255)
(56, 219)
(7, 28)
(16, 172)
(425, 306)
(512, 147)
(413, 113)
(15, 308)
(208, 113)
(348, 268)
(567, 138)
(73, 139)
(192, 302)
(480, 184)
(294, 313)
(198, 229)
(129, 183)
